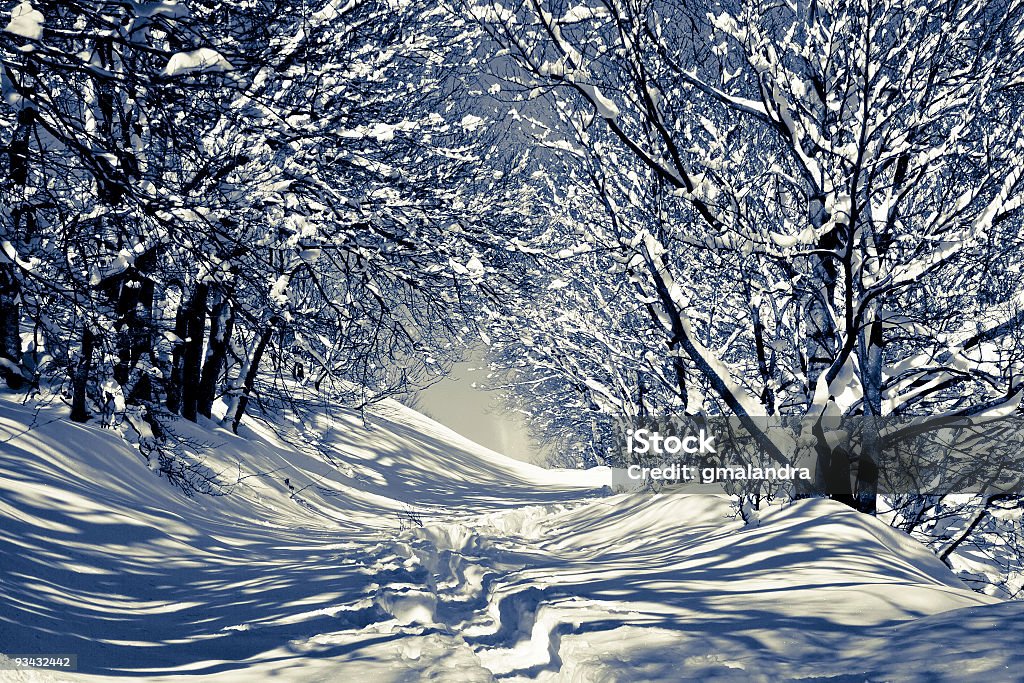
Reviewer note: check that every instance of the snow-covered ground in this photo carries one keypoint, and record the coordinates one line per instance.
(405, 552)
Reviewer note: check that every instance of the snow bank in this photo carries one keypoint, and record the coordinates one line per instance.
(405, 551)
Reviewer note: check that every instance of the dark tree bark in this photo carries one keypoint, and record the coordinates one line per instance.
(18, 149)
(10, 328)
(187, 357)
(10, 308)
(871, 378)
(832, 472)
(222, 324)
(80, 377)
(249, 381)
(134, 323)
(177, 360)
(193, 354)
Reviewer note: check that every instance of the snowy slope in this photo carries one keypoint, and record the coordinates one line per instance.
(515, 572)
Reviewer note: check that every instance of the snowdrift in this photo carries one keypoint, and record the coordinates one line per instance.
(405, 552)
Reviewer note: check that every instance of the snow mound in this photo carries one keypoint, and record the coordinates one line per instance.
(403, 551)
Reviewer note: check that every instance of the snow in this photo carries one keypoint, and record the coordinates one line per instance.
(582, 13)
(333, 10)
(169, 10)
(606, 108)
(203, 60)
(403, 551)
(471, 122)
(26, 21)
(474, 267)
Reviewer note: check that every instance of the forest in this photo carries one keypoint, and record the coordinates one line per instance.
(799, 218)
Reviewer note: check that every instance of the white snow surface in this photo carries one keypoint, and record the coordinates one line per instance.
(405, 552)
(202, 60)
(26, 21)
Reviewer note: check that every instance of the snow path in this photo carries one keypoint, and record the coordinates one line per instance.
(533, 600)
(502, 571)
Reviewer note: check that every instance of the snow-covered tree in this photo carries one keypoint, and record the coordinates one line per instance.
(227, 201)
(101, 106)
(818, 203)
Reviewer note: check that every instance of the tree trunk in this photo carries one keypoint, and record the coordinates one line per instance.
(832, 468)
(250, 373)
(832, 464)
(871, 440)
(10, 328)
(193, 353)
(10, 309)
(817, 313)
(221, 325)
(80, 378)
(178, 359)
(134, 322)
(142, 342)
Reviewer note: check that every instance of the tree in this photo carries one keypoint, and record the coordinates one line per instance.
(235, 202)
(818, 202)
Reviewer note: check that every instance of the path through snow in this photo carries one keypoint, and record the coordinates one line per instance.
(516, 572)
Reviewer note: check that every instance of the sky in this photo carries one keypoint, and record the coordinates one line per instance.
(476, 414)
